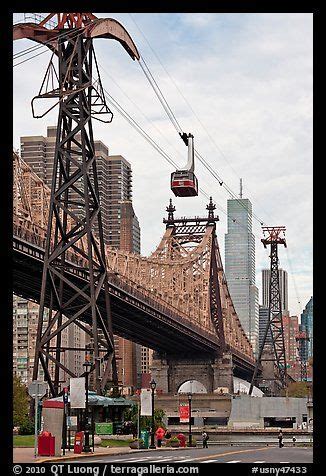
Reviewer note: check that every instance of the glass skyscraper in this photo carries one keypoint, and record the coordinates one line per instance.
(240, 266)
(307, 326)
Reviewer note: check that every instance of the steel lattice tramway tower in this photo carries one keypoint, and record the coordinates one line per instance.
(75, 187)
(274, 237)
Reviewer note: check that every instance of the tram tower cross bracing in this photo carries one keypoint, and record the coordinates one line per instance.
(80, 98)
(273, 236)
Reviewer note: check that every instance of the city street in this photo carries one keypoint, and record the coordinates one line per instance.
(223, 454)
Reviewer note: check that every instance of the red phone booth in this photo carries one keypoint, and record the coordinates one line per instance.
(78, 443)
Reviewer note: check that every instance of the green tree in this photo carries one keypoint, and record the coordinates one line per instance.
(297, 389)
(20, 403)
(131, 414)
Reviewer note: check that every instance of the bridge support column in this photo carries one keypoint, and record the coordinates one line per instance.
(223, 372)
(170, 372)
(160, 373)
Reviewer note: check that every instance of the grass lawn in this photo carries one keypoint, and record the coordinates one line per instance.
(23, 441)
(27, 441)
(115, 443)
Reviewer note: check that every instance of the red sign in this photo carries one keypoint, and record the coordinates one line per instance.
(184, 412)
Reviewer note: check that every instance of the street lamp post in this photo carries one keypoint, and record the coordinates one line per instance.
(153, 387)
(87, 364)
(190, 434)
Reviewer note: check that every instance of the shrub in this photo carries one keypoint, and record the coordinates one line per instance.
(26, 428)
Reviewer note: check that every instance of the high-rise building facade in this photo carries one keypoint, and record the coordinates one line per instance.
(283, 281)
(128, 352)
(291, 331)
(120, 230)
(240, 266)
(114, 180)
(263, 321)
(25, 320)
(307, 326)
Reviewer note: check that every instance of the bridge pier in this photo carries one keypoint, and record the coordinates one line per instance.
(171, 371)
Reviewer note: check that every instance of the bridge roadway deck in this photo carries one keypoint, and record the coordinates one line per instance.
(143, 321)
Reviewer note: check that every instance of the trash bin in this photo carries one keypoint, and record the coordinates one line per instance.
(46, 444)
(181, 437)
(78, 443)
(144, 435)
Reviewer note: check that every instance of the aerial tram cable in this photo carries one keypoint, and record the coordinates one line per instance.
(152, 123)
(201, 123)
(31, 49)
(184, 182)
(293, 277)
(193, 180)
(177, 126)
(136, 126)
(151, 141)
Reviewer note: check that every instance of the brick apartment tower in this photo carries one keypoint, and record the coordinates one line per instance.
(129, 353)
(120, 229)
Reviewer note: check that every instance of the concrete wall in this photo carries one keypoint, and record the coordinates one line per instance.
(250, 411)
(53, 420)
(202, 406)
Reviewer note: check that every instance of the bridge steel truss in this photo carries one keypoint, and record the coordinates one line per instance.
(179, 276)
(186, 272)
(74, 187)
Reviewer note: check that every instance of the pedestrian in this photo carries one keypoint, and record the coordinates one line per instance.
(205, 439)
(294, 440)
(167, 434)
(160, 432)
(280, 439)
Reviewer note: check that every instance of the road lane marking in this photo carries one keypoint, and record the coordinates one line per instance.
(218, 455)
(259, 461)
(163, 459)
(134, 460)
(233, 461)
(210, 461)
(183, 460)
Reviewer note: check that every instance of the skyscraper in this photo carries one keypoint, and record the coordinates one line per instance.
(307, 326)
(263, 320)
(240, 266)
(120, 227)
(283, 280)
(114, 180)
(291, 330)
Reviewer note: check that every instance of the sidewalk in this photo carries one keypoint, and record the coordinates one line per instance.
(26, 455)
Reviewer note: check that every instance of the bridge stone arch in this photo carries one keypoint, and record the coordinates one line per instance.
(192, 386)
(171, 371)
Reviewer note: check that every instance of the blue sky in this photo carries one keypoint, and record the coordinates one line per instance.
(248, 77)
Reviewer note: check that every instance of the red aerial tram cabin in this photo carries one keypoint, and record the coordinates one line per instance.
(184, 182)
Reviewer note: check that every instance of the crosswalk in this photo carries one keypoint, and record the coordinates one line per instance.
(173, 459)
